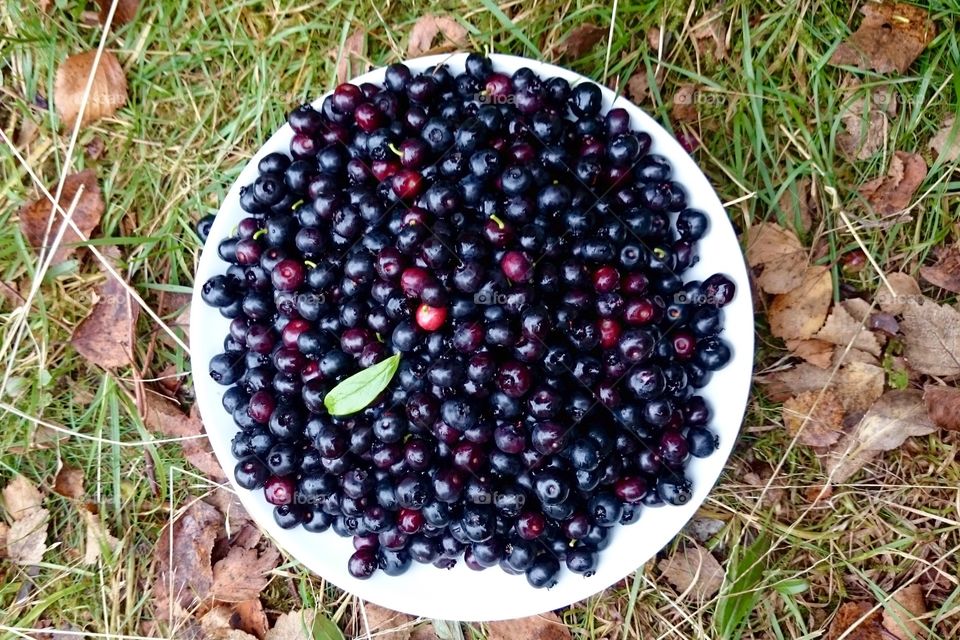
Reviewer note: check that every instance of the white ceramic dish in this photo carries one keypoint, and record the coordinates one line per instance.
(462, 594)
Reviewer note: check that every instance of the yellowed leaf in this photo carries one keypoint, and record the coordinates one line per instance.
(799, 313)
(843, 330)
(778, 257)
(27, 538)
(816, 416)
(21, 497)
(107, 93)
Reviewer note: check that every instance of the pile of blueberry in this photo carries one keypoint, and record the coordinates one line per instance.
(523, 254)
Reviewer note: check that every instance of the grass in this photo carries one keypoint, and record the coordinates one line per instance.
(208, 84)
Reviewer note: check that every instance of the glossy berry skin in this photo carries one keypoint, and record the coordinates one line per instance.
(431, 318)
(363, 563)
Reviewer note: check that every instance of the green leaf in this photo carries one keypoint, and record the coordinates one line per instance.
(359, 390)
(325, 629)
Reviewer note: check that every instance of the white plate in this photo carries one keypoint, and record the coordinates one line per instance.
(459, 593)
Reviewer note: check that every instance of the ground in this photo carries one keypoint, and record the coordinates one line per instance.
(208, 82)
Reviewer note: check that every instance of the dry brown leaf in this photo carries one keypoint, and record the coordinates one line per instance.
(799, 313)
(426, 29)
(227, 503)
(708, 30)
(98, 537)
(189, 544)
(946, 272)
(27, 538)
(352, 62)
(106, 336)
(424, 632)
(943, 406)
(21, 498)
(905, 290)
(850, 614)
(816, 352)
(653, 38)
(107, 93)
(859, 308)
(215, 624)
(693, 569)
(893, 192)
(638, 86)
(69, 482)
(931, 338)
(901, 613)
(164, 417)
(946, 142)
(817, 418)
(4, 532)
(889, 39)
(866, 116)
(843, 356)
(125, 12)
(295, 625)
(684, 107)
(843, 330)
(251, 618)
(578, 42)
(386, 624)
(892, 419)
(546, 626)
(857, 385)
(243, 573)
(777, 255)
(86, 214)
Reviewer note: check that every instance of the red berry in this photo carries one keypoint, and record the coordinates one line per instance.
(278, 490)
(431, 318)
(407, 183)
(383, 169)
(609, 332)
(292, 331)
(516, 266)
(413, 280)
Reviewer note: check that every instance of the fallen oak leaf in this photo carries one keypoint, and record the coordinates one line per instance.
(69, 482)
(814, 417)
(778, 255)
(106, 336)
(351, 61)
(931, 338)
(946, 142)
(843, 330)
(855, 613)
(693, 570)
(896, 416)
(890, 37)
(108, 92)
(546, 626)
(799, 313)
(946, 272)
(35, 216)
(579, 41)
(21, 498)
(426, 29)
(943, 406)
(893, 192)
(244, 573)
(901, 613)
